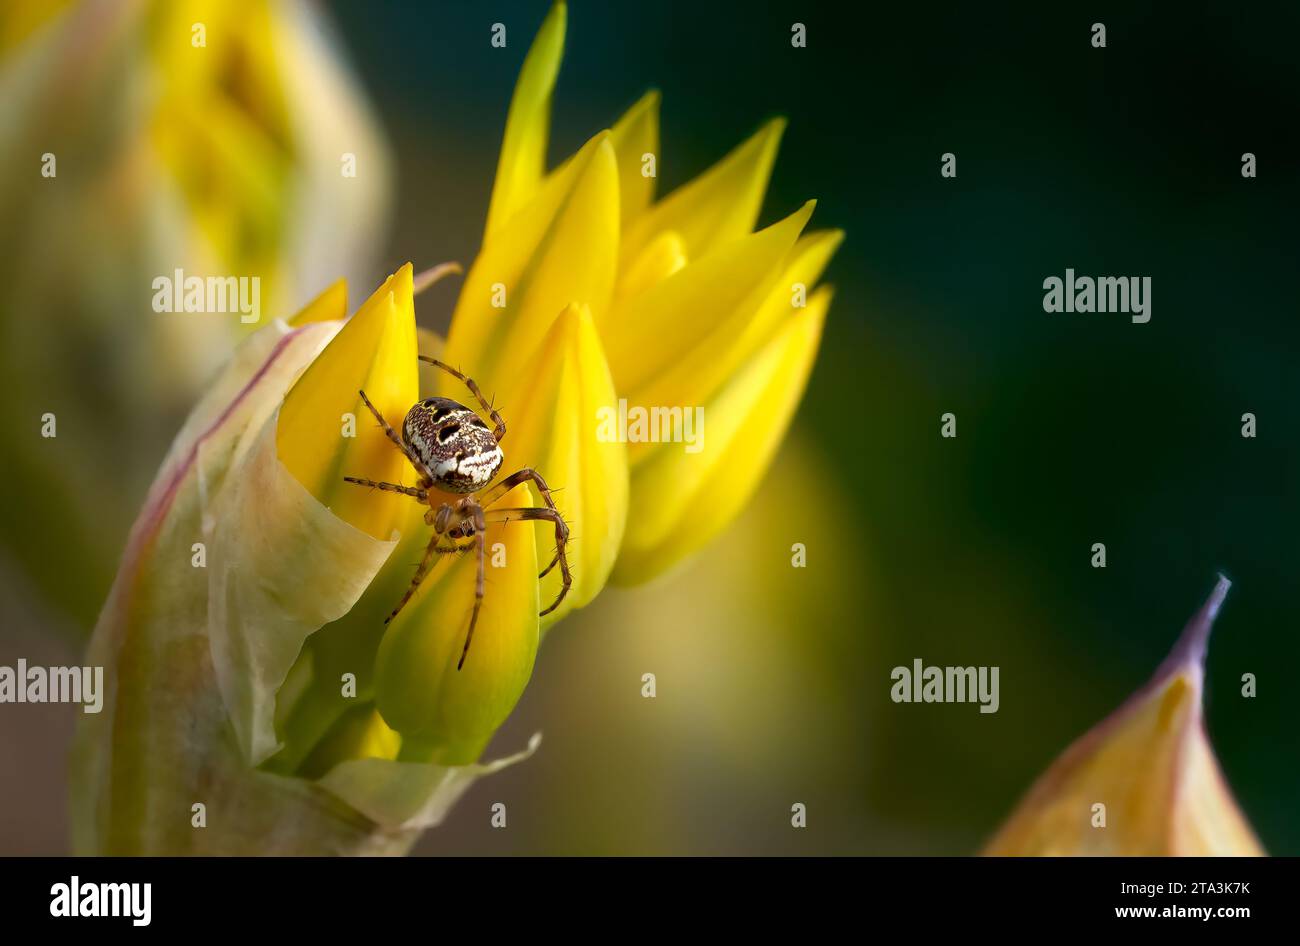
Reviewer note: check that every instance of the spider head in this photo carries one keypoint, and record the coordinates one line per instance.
(454, 444)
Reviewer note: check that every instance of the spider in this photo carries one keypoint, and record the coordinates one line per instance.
(453, 450)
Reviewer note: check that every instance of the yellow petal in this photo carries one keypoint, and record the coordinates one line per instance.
(375, 351)
(720, 205)
(554, 431)
(562, 248)
(1150, 764)
(330, 305)
(360, 734)
(646, 336)
(702, 367)
(803, 267)
(447, 715)
(635, 135)
(680, 499)
(523, 150)
(665, 255)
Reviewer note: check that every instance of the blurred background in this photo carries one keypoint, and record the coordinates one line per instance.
(772, 682)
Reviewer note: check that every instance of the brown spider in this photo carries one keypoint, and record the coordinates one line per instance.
(452, 449)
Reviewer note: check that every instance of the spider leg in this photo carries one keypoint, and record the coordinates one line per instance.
(561, 536)
(525, 475)
(513, 480)
(421, 572)
(479, 547)
(500, 431)
(420, 494)
(397, 441)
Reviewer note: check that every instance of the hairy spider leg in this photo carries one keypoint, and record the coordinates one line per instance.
(561, 536)
(420, 494)
(421, 572)
(480, 537)
(496, 493)
(426, 479)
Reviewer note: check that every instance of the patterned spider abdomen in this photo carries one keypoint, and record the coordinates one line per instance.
(453, 443)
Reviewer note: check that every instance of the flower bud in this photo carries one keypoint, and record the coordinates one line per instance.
(1144, 781)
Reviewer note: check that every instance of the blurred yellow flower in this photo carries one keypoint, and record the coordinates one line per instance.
(1142, 782)
(142, 138)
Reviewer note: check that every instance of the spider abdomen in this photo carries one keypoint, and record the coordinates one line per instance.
(454, 444)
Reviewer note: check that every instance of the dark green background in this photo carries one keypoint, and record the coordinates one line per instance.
(1073, 429)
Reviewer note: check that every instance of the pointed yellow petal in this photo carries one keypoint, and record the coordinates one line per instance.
(523, 150)
(562, 248)
(720, 205)
(477, 329)
(554, 430)
(375, 351)
(634, 136)
(329, 306)
(804, 265)
(447, 715)
(705, 365)
(646, 336)
(682, 499)
(1150, 765)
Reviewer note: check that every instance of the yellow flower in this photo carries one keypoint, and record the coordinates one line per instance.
(250, 602)
(1142, 782)
(691, 309)
(436, 710)
(585, 293)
